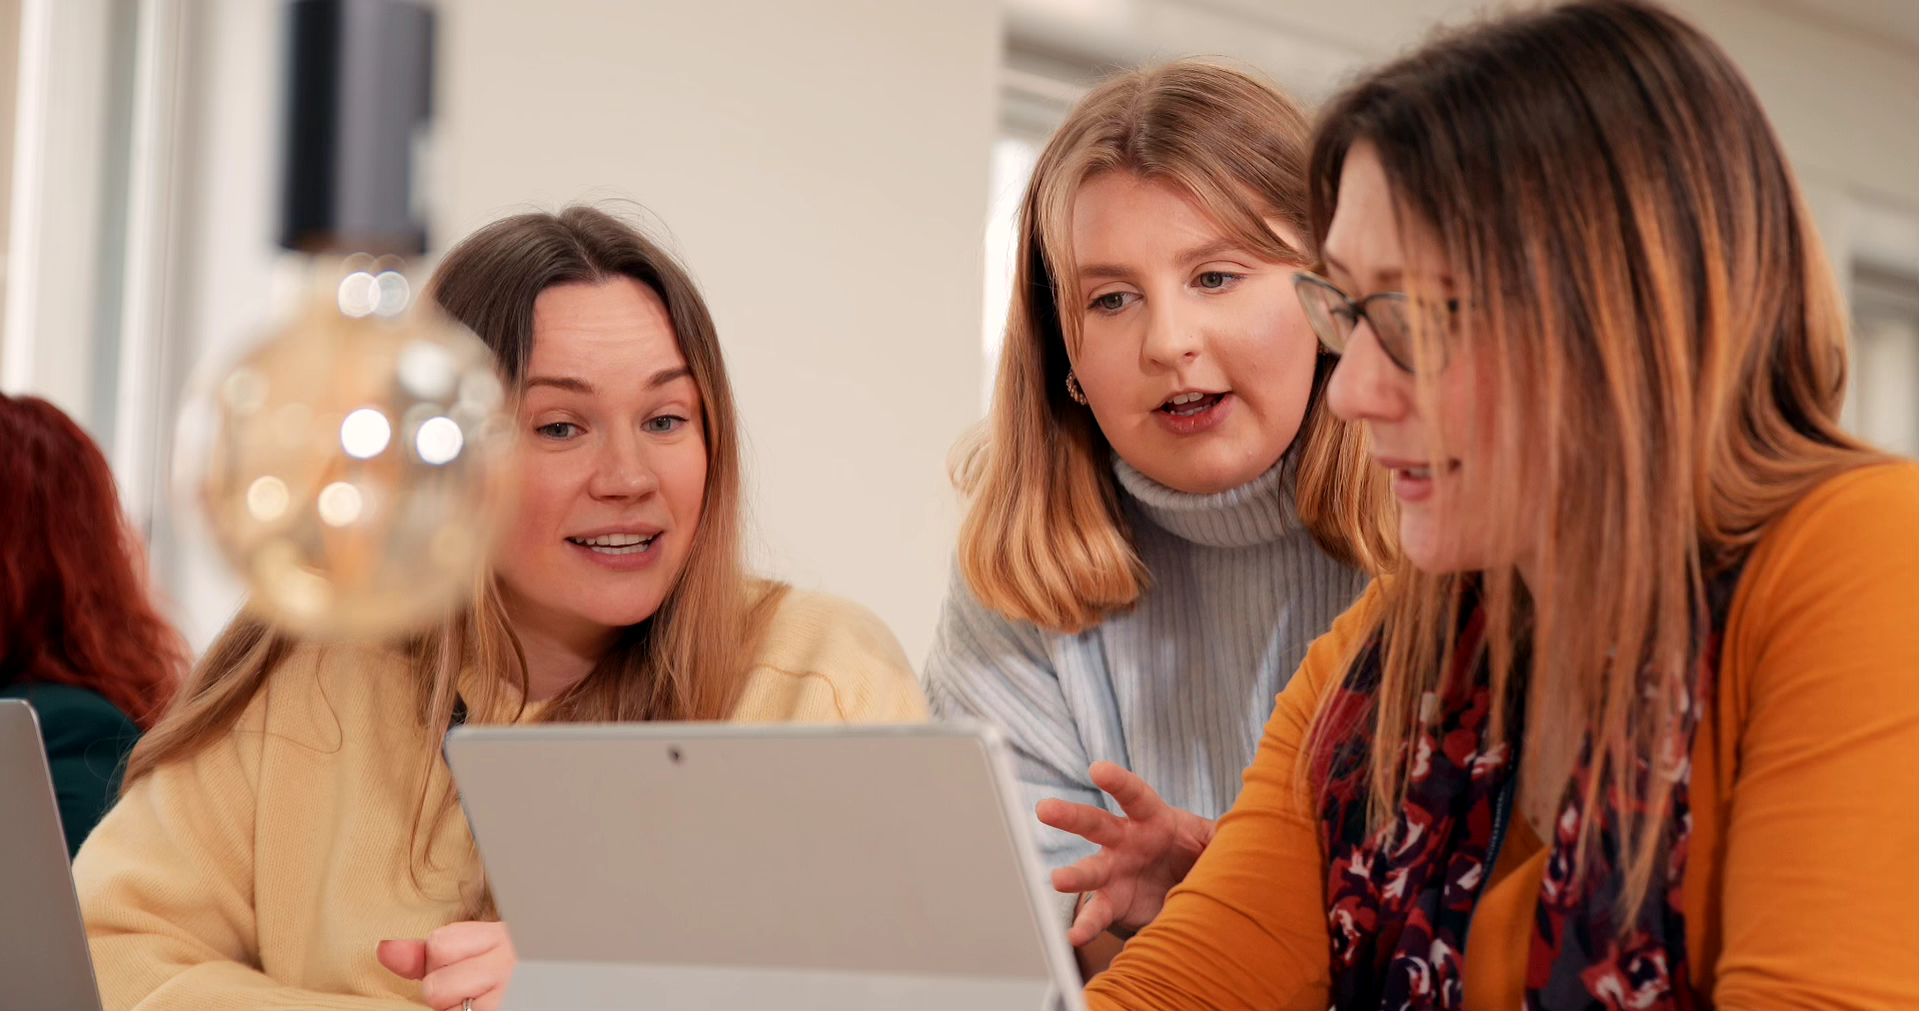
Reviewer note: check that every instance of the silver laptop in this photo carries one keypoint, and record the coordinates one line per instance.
(43, 945)
(710, 866)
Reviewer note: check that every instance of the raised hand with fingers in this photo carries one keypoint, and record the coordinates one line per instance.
(1141, 857)
(461, 966)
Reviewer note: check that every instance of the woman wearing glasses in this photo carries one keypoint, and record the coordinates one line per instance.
(1163, 512)
(1637, 724)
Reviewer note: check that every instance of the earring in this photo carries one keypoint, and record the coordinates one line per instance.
(1072, 389)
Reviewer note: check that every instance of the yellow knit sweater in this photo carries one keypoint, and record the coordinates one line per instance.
(261, 872)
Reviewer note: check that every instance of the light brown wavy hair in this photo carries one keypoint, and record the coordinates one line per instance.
(687, 662)
(1669, 354)
(1043, 539)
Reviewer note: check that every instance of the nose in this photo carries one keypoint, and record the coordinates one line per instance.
(621, 472)
(1172, 336)
(1366, 385)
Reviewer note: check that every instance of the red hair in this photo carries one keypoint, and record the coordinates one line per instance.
(74, 608)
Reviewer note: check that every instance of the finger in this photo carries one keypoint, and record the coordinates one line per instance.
(457, 942)
(1132, 793)
(1203, 831)
(404, 958)
(1095, 915)
(1101, 828)
(450, 985)
(1086, 875)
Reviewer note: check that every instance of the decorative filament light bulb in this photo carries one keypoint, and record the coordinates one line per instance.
(351, 465)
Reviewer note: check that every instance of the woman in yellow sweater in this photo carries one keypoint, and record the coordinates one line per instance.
(1638, 724)
(292, 811)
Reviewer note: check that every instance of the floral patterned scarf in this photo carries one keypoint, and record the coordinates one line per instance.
(1399, 903)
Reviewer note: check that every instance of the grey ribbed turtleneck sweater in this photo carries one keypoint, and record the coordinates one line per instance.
(1179, 688)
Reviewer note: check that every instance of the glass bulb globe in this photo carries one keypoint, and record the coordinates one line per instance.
(352, 467)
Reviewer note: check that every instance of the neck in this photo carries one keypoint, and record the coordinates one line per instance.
(561, 649)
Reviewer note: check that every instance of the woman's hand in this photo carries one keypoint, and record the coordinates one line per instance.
(457, 963)
(1142, 856)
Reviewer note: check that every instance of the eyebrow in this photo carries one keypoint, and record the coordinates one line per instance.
(1391, 277)
(1380, 276)
(567, 383)
(573, 384)
(1209, 250)
(664, 376)
(1105, 271)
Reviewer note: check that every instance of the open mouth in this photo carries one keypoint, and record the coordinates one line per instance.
(1426, 473)
(616, 544)
(1187, 405)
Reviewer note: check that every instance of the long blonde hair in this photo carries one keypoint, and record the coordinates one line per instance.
(1044, 539)
(1669, 359)
(687, 662)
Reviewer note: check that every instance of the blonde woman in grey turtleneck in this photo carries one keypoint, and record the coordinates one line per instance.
(1162, 514)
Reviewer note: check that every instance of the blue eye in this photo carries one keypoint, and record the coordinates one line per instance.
(1112, 301)
(665, 424)
(557, 430)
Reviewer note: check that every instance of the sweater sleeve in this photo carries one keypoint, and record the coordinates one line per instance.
(1247, 928)
(166, 888)
(990, 669)
(1822, 845)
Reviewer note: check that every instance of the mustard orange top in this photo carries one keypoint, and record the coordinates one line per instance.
(1803, 883)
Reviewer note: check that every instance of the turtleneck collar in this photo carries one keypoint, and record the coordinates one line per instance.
(1257, 512)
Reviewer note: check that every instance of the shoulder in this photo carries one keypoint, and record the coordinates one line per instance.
(1881, 496)
(1856, 533)
(317, 689)
(808, 629)
(1300, 703)
(1824, 614)
(1334, 650)
(835, 652)
(969, 628)
(979, 656)
(73, 718)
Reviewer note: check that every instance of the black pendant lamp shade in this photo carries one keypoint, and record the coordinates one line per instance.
(358, 98)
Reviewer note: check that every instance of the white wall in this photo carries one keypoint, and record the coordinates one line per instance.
(229, 282)
(821, 167)
(1846, 104)
(58, 171)
(1843, 98)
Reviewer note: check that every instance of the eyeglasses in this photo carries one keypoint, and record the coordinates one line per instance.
(1334, 316)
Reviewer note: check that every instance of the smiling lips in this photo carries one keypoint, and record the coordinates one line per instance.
(621, 550)
(616, 544)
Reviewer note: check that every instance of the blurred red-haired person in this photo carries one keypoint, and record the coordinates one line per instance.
(79, 637)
